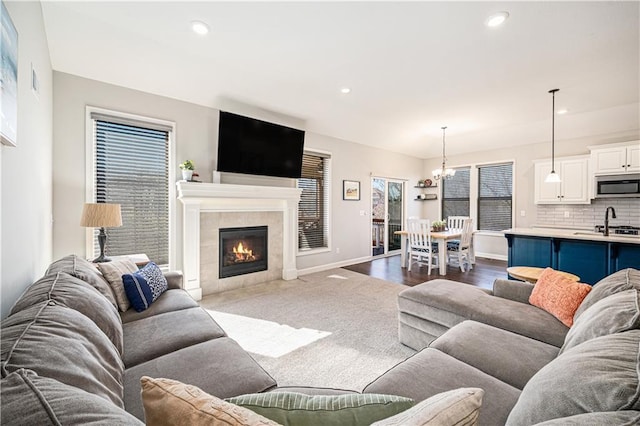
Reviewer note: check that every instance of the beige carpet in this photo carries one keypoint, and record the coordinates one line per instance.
(335, 329)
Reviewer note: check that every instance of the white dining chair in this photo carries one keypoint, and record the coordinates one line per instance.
(461, 252)
(420, 245)
(455, 222)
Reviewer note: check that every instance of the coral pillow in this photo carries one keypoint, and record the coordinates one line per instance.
(558, 295)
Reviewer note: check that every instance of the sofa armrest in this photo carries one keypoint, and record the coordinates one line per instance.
(518, 291)
(174, 279)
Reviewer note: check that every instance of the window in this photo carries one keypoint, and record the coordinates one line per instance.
(131, 168)
(495, 197)
(313, 209)
(455, 194)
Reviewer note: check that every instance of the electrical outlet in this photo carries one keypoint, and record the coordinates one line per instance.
(567, 214)
(338, 250)
(523, 213)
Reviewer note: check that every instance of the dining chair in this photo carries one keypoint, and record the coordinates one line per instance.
(461, 252)
(420, 245)
(455, 222)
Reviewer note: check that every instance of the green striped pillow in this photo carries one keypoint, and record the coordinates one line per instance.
(292, 408)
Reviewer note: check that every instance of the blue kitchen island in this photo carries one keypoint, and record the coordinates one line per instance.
(590, 255)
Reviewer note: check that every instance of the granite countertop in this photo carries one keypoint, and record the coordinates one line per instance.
(574, 234)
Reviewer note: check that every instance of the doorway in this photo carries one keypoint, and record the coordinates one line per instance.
(387, 213)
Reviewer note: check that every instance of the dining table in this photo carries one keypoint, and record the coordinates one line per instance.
(440, 237)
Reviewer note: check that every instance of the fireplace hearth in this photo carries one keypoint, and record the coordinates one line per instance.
(243, 250)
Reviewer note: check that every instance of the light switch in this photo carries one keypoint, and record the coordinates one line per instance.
(523, 213)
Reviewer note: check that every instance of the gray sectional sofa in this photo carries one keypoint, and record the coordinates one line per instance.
(533, 369)
(69, 357)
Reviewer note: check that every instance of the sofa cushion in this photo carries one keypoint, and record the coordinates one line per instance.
(608, 418)
(161, 334)
(28, 399)
(600, 374)
(169, 301)
(61, 343)
(113, 272)
(291, 408)
(86, 271)
(144, 286)
(448, 303)
(430, 372)
(170, 402)
(558, 295)
(507, 356)
(76, 294)
(613, 314)
(622, 280)
(219, 367)
(459, 407)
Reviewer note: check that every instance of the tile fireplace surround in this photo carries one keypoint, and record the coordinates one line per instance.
(209, 206)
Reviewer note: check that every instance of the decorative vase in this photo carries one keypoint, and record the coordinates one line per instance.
(187, 174)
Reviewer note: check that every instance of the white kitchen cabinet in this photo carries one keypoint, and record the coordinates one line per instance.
(617, 159)
(574, 185)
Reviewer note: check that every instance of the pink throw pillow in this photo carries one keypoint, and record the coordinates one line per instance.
(558, 295)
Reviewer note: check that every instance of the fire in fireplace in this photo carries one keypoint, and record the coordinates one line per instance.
(243, 250)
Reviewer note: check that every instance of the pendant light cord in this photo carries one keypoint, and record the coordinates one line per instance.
(553, 128)
(443, 157)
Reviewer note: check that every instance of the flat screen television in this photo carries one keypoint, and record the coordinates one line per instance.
(256, 147)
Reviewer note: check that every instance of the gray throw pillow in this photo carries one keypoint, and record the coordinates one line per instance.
(28, 399)
(76, 294)
(613, 314)
(61, 343)
(625, 279)
(113, 272)
(86, 271)
(598, 375)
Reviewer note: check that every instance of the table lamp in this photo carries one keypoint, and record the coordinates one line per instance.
(101, 215)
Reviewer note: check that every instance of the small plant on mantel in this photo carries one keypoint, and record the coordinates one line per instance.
(187, 165)
(438, 225)
(187, 168)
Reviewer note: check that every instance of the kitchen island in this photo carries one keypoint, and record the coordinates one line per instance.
(588, 254)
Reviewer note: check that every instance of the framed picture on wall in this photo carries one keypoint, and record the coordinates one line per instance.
(351, 190)
(8, 79)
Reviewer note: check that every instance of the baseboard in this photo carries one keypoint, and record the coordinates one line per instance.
(492, 256)
(328, 266)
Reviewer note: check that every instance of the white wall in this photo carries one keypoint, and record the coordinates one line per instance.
(25, 176)
(196, 139)
(523, 157)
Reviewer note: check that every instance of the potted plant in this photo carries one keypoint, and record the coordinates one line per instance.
(187, 170)
(438, 225)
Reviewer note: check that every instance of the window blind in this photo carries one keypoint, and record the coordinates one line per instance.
(132, 169)
(313, 224)
(455, 194)
(495, 197)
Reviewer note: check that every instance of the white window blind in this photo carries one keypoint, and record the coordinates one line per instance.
(132, 169)
(313, 223)
(495, 197)
(455, 194)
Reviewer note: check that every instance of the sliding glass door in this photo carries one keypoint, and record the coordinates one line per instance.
(387, 212)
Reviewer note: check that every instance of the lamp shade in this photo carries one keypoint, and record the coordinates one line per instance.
(101, 215)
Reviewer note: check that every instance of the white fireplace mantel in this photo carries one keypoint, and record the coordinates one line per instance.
(217, 197)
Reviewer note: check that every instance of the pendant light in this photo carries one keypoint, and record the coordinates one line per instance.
(553, 177)
(443, 172)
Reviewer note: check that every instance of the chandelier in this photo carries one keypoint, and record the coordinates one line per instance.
(443, 172)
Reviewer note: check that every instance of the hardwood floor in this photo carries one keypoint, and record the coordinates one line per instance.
(484, 272)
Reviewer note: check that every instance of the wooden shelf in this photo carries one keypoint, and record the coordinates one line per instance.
(425, 199)
(425, 187)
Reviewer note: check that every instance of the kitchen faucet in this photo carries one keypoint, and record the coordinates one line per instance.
(606, 219)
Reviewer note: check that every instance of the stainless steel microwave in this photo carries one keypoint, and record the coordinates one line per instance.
(618, 186)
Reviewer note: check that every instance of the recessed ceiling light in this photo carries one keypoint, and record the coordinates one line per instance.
(345, 90)
(496, 19)
(199, 27)
(562, 111)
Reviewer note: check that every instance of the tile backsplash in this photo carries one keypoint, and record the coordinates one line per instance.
(590, 215)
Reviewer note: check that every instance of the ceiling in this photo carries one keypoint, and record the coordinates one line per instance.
(412, 66)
